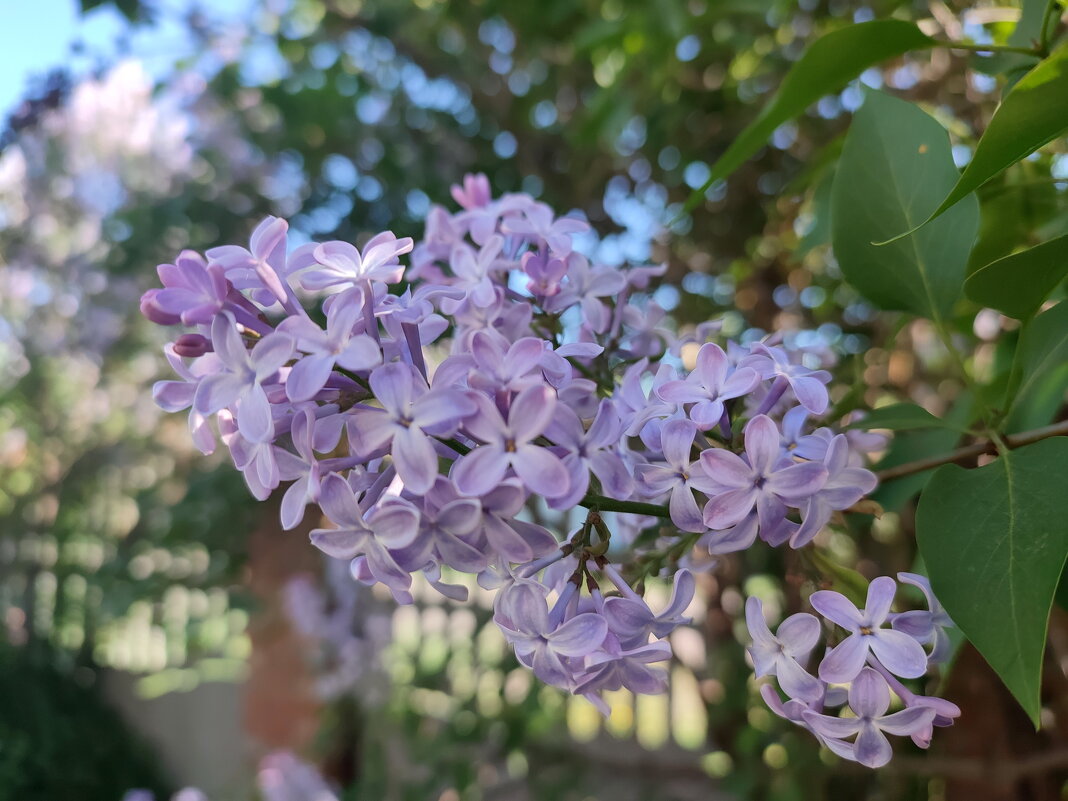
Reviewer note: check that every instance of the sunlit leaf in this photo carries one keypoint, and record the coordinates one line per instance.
(827, 65)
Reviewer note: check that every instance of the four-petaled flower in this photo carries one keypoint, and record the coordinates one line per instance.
(411, 415)
(337, 346)
(523, 617)
(511, 444)
(709, 385)
(765, 479)
(898, 652)
(782, 653)
(869, 698)
(369, 534)
(240, 383)
(680, 476)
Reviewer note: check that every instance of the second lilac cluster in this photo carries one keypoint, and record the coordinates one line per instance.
(850, 694)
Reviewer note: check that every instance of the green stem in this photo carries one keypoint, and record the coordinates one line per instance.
(989, 48)
(1045, 31)
(604, 504)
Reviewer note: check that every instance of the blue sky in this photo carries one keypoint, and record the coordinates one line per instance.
(37, 35)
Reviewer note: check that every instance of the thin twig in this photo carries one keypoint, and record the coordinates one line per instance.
(972, 451)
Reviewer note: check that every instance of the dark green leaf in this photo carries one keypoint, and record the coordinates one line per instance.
(901, 417)
(994, 542)
(895, 165)
(1033, 114)
(1018, 284)
(828, 64)
(1041, 358)
(1014, 214)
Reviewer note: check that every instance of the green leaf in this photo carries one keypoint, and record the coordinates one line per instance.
(994, 542)
(827, 65)
(1033, 113)
(1015, 213)
(901, 417)
(1041, 358)
(895, 165)
(1018, 284)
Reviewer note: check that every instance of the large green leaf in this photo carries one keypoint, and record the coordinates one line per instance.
(826, 66)
(902, 417)
(1041, 363)
(1033, 113)
(895, 165)
(994, 541)
(1018, 284)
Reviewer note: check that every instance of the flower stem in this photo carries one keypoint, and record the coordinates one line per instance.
(630, 507)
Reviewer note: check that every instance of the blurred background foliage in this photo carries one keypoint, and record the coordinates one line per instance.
(122, 548)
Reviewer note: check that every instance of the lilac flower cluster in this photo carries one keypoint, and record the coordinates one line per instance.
(424, 409)
(860, 672)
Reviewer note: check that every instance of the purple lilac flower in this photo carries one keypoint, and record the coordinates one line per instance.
(925, 626)
(679, 475)
(869, 698)
(710, 384)
(333, 265)
(240, 383)
(473, 271)
(899, 652)
(193, 292)
(552, 396)
(367, 533)
(510, 444)
(337, 346)
(411, 415)
(446, 525)
(763, 480)
(634, 623)
(844, 487)
(585, 451)
(523, 617)
(506, 536)
(782, 654)
(586, 285)
(774, 364)
(537, 223)
(500, 365)
(263, 266)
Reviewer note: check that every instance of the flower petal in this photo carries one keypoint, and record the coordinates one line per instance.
(828, 726)
(837, 608)
(415, 459)
(869, 694)
(541, 471)
(580, 635)
(845, 661)
(481, 470)
(899, 653)
(908, 721)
